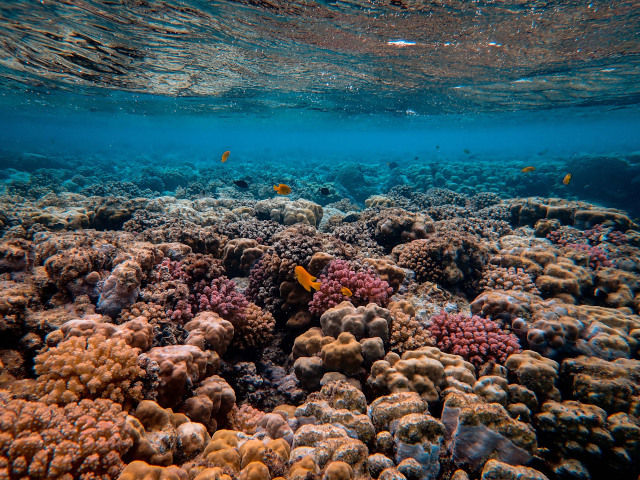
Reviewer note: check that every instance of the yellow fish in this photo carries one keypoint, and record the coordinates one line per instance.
(225, 156)
(346, 292)
(567, 179)
(282, 189)
(528, 169)
(306, 279)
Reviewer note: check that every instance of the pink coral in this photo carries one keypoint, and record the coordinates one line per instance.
(565, 235)
(597, 256)
(599, 233)
(365, 286)
(476, 339)
(221, 297)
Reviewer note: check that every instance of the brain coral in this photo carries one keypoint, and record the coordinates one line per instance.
(84, 441)
(92, 368)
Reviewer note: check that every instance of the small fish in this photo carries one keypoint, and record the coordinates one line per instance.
(543, 152)
(225, 156)
(567, 178)
(305, 279)
(528, 169)
(241, 183)
(346, 292)
(282, 189)
(392, 165)
(467, 151)
(324, 191)
(401, 43)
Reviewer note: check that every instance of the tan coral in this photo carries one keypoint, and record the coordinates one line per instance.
(180, 364)
(342, 355)
(240, 254)
(388, 271)
(407, 332)
(474, 418)
(536, 373)
(89, 368)
(564, 279)
(289, 212)
(138, 333)
(257, 329)
(362, 322)
(213, 399)
(613, 386)
(209, 331)
(426, 371)
(495, 470)
(245, 418)
(310, 343)
(140, 470)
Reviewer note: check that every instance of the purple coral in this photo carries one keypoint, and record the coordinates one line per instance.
(365, 286)
(476, 339)
(221, 296)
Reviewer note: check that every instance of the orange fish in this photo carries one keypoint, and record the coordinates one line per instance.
(282, 189)
(225, 156)
(306, 279)
(567, 179)
(528, 169)
(346, 292)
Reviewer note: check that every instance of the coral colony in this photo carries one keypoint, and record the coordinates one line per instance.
(469, 337)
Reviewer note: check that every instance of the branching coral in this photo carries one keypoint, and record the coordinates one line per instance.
(511, 278)
(407, 332)
(366, 287)
(476, 339)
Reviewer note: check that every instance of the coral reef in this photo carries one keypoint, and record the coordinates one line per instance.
(455, 334)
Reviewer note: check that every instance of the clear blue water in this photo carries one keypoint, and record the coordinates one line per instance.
(320, 81)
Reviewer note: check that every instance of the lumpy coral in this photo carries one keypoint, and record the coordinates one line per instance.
(453, 259)
(84, 440)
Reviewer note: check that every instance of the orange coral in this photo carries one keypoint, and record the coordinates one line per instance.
(244, 418)
(83, 441)
(89, 368)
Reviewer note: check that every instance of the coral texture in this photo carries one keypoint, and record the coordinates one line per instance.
(84, 440)
(476, 339)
